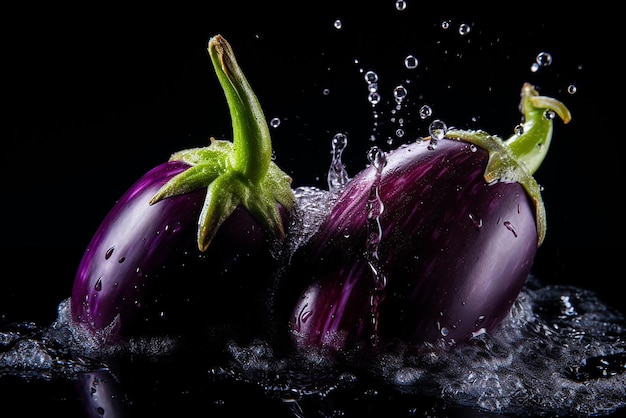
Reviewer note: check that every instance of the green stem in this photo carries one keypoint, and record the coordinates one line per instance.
(517, 158)
(531, 145)
(251, 137)
(237, 173)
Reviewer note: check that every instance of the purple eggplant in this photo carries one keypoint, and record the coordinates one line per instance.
(431, 243)
(195, 239)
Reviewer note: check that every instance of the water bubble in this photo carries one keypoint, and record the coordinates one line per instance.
(399, 93)
(543, 59)
(549, 114)
(571, 89)
(437, 129)
(98, 285)
(338, 24)
(109, 253)
(519, 129)
(373, 98)
(534, 67)
(464, 29)
(326, 92)
(445, 24)
(411, 62)
(400, 5)
(275, 122)
(425, 111)
(371, 77)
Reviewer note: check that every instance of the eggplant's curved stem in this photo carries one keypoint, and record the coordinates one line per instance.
(517, 158)
(237, 173)
(530, 145)
(251, 137)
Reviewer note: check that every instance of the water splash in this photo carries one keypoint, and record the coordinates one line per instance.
(337, 174)
(374, 209)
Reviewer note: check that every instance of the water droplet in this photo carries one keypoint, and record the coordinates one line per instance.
(478, 222)
(326, 92)
(121, 260)
(473, 148)
(399, 93)
(275, 122)
(510, 227)
(437, 129)
(400, 5)
(411, 62)
(399, 132)
(337, 175)
(98, 285)
(377, 158)
(444, 331)
(534, 67)
(425, 111)
(373, 98)
(543, 59)
(571, 89)
(445, 24)
(549, 114)
(371, 77)
(109, 253)
(338, 24)
(464, 29)
(519, 129)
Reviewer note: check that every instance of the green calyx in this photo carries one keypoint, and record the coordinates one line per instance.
(234, 173)
(517, 158)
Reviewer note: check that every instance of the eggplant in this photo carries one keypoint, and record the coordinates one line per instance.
(431, 243)
(196, 238)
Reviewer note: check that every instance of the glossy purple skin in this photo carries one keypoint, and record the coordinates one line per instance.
(456, 253)
(143, 274)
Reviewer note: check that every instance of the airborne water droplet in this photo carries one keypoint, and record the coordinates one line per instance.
(275, 122)
(543, 59)
(98, 285)
(371, 77)
(337, 175)
(464, 29)
(425, 111)
(399, 93)
(109, 253)
(411, 62)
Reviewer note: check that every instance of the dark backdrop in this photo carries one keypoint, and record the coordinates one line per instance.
(96, 95)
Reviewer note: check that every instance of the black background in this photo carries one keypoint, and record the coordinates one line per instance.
(95, 96)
